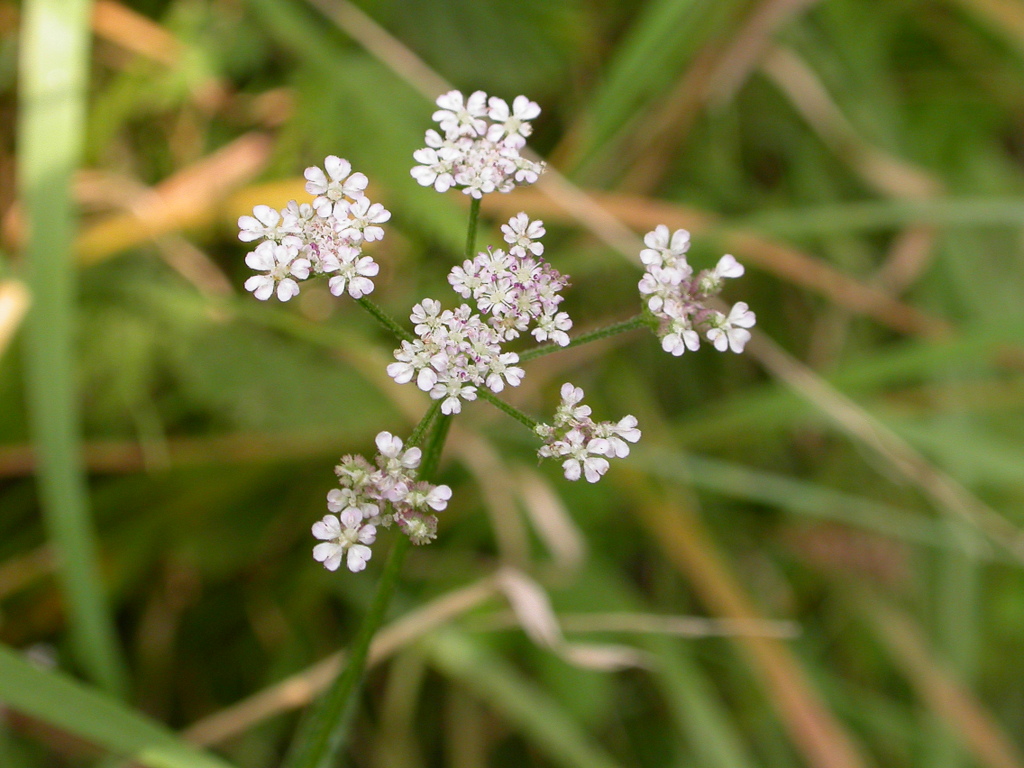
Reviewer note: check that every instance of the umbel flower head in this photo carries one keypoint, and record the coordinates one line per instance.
(460, 350)
(479, 151)
(678, 298)
(584, 445)
(322, 238)
(386, 494)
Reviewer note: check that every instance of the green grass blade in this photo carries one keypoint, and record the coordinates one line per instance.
(53, 76)
(881, 215)
(697, 709)
(94, 716)
(798, 496)
(550, 728)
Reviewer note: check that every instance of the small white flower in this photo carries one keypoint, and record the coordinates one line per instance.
(436, 167)
(662, 247)
(678, 342)
(586, 458)
(345, 533)
(424, 495)
(553, 327)
(281, 263)
(390, 448)
(361, 220)
(265, 222)
(522, 234)
(728, 267)
(464, 119)
(439, 497)
(353, 273)
(453, 393)
(731, 332)
(504, 366)
(511, 129)
(337, 184)
(617, 435)
(426, 316)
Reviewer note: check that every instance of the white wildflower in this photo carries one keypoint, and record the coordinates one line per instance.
(281, 263)
(343, 534)
(584, 445)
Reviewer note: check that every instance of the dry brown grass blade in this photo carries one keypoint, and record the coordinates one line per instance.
(183, 200)
(940, 691)
(748, 47)
(650, 624)
(888, 174)
(907, 259)
(644, 213)
(116, 192)
(134, 32)
(551, 521)
(497, 484)
(14, 301)
(812, 727)
(301, 688)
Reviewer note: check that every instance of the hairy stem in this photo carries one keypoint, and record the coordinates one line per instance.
(421, 429)
(639, 321)
(385, 319)
(512, 411)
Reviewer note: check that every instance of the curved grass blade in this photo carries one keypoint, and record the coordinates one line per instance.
(94, 716)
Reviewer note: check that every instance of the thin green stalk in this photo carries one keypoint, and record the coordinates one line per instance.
(53, 79)
(421, 429)
(385, 319)
(639, 321)
(434, 447)
(474, 215)
(323, 735)
(319, 740)
(512, 411)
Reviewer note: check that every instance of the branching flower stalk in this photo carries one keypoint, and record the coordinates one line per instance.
(461, 353)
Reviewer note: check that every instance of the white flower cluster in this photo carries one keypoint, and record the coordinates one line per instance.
(678, 297)
(517, 287)
(585, 445)
(479, 151)
(322, 238)
(459, 350)
(456, 352)
(366, 493)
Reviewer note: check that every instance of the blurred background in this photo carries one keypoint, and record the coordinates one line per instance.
(813, 558)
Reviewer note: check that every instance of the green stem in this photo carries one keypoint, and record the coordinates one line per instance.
(474, 214)
(385, 319)
(323, 735)
(512, 411)
(417, 434)
(639, 321)
(434, 447)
